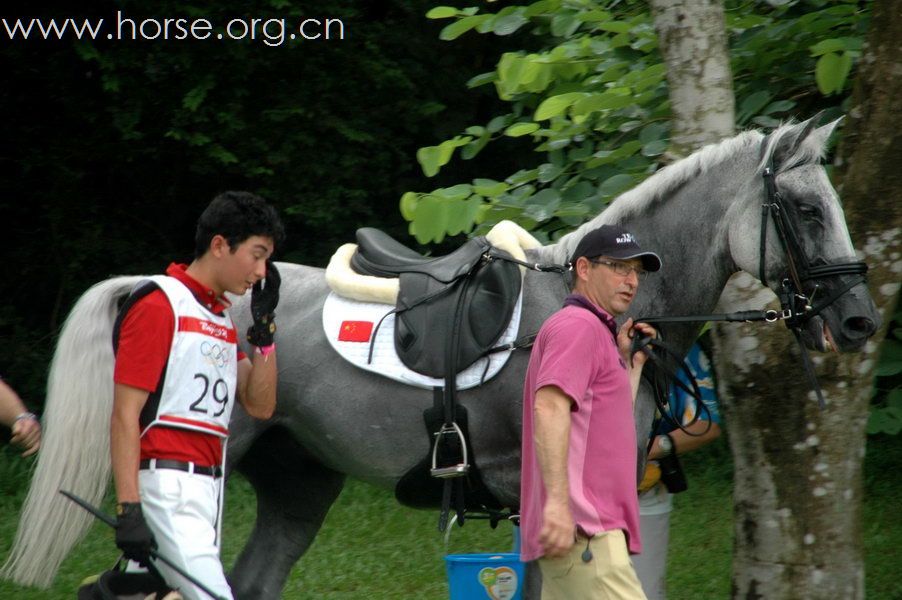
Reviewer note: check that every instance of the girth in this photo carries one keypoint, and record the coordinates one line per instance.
(418, 488)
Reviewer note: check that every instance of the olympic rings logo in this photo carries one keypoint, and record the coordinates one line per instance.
(214, 354)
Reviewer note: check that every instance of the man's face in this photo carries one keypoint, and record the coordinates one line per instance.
(601, 283)
(245, 265)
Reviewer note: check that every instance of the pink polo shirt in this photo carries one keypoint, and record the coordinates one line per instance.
(577, 352)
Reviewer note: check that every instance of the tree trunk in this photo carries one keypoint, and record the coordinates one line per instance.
(798, 470)
(797, 481)
(693, 39)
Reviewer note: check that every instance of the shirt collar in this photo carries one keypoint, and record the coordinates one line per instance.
(204, 295)
(603, 316)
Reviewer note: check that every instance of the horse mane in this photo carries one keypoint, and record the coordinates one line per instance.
(663, 183)
(811, 150)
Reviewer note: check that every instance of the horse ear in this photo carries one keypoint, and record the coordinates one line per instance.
(820, 136)
(789, 145)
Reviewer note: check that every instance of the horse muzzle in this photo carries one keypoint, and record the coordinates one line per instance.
(845, 325)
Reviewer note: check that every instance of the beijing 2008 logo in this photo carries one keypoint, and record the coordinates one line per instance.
(500, 583)
(214, 330)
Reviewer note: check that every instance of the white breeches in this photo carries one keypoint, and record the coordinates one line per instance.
(183, 509)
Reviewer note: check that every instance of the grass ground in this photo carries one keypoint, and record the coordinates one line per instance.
(372, 548)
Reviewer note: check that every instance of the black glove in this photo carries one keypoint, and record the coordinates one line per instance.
(133, 536)
(263, 305)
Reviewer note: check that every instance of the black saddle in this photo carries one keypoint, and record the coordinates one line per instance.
(450, 309)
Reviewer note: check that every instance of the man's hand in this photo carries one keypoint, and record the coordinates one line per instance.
(27, 433)
(264, 300)
(133, 536)
(625, 340)
(558, 532)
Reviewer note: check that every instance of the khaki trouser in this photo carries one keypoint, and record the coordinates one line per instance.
(609, 575)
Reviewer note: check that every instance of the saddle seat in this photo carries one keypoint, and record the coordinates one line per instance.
(381, 255)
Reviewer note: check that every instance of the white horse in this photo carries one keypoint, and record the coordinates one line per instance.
(701, 214)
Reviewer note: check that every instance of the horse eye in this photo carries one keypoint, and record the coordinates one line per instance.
(809, 211)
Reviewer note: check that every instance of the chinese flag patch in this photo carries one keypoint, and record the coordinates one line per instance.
(355, 331)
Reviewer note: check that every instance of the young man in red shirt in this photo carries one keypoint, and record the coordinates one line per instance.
(178, 373)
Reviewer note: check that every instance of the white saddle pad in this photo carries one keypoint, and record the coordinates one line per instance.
(349, 324)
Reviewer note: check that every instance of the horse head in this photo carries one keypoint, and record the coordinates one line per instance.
(801, 246)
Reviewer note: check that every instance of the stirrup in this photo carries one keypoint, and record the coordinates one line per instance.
(458, 470)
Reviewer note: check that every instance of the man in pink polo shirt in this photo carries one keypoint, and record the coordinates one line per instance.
(578, 503)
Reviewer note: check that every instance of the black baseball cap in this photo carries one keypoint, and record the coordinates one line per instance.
(616, 242)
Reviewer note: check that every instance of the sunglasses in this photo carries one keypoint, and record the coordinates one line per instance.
(621, 268)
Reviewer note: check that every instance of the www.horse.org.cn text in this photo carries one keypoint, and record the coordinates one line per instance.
(269, 31)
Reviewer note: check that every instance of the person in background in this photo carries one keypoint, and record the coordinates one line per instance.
(655, 500)
(24, 424)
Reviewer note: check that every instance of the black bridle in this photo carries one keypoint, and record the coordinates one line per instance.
(796, 307)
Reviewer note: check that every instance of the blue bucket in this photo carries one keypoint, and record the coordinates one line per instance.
(485, 576)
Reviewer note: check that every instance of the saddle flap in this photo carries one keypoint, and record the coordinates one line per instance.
(471, 313)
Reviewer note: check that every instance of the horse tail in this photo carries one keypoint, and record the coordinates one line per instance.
(75, 446)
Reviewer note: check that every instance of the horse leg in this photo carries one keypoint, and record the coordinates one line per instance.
(294, 493)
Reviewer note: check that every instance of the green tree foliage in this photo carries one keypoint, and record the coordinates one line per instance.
(112, 148)
(592, 101)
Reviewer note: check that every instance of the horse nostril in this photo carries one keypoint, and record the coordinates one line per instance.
(856, 327)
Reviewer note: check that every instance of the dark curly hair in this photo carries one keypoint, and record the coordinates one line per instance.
(236, 216)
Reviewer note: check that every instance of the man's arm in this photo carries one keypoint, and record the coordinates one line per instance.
(552, 441)
(133, 536)
(145, 339)
(125, 440)
(683, 442)
(257, 385)
(257, 376)
(25, 426)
